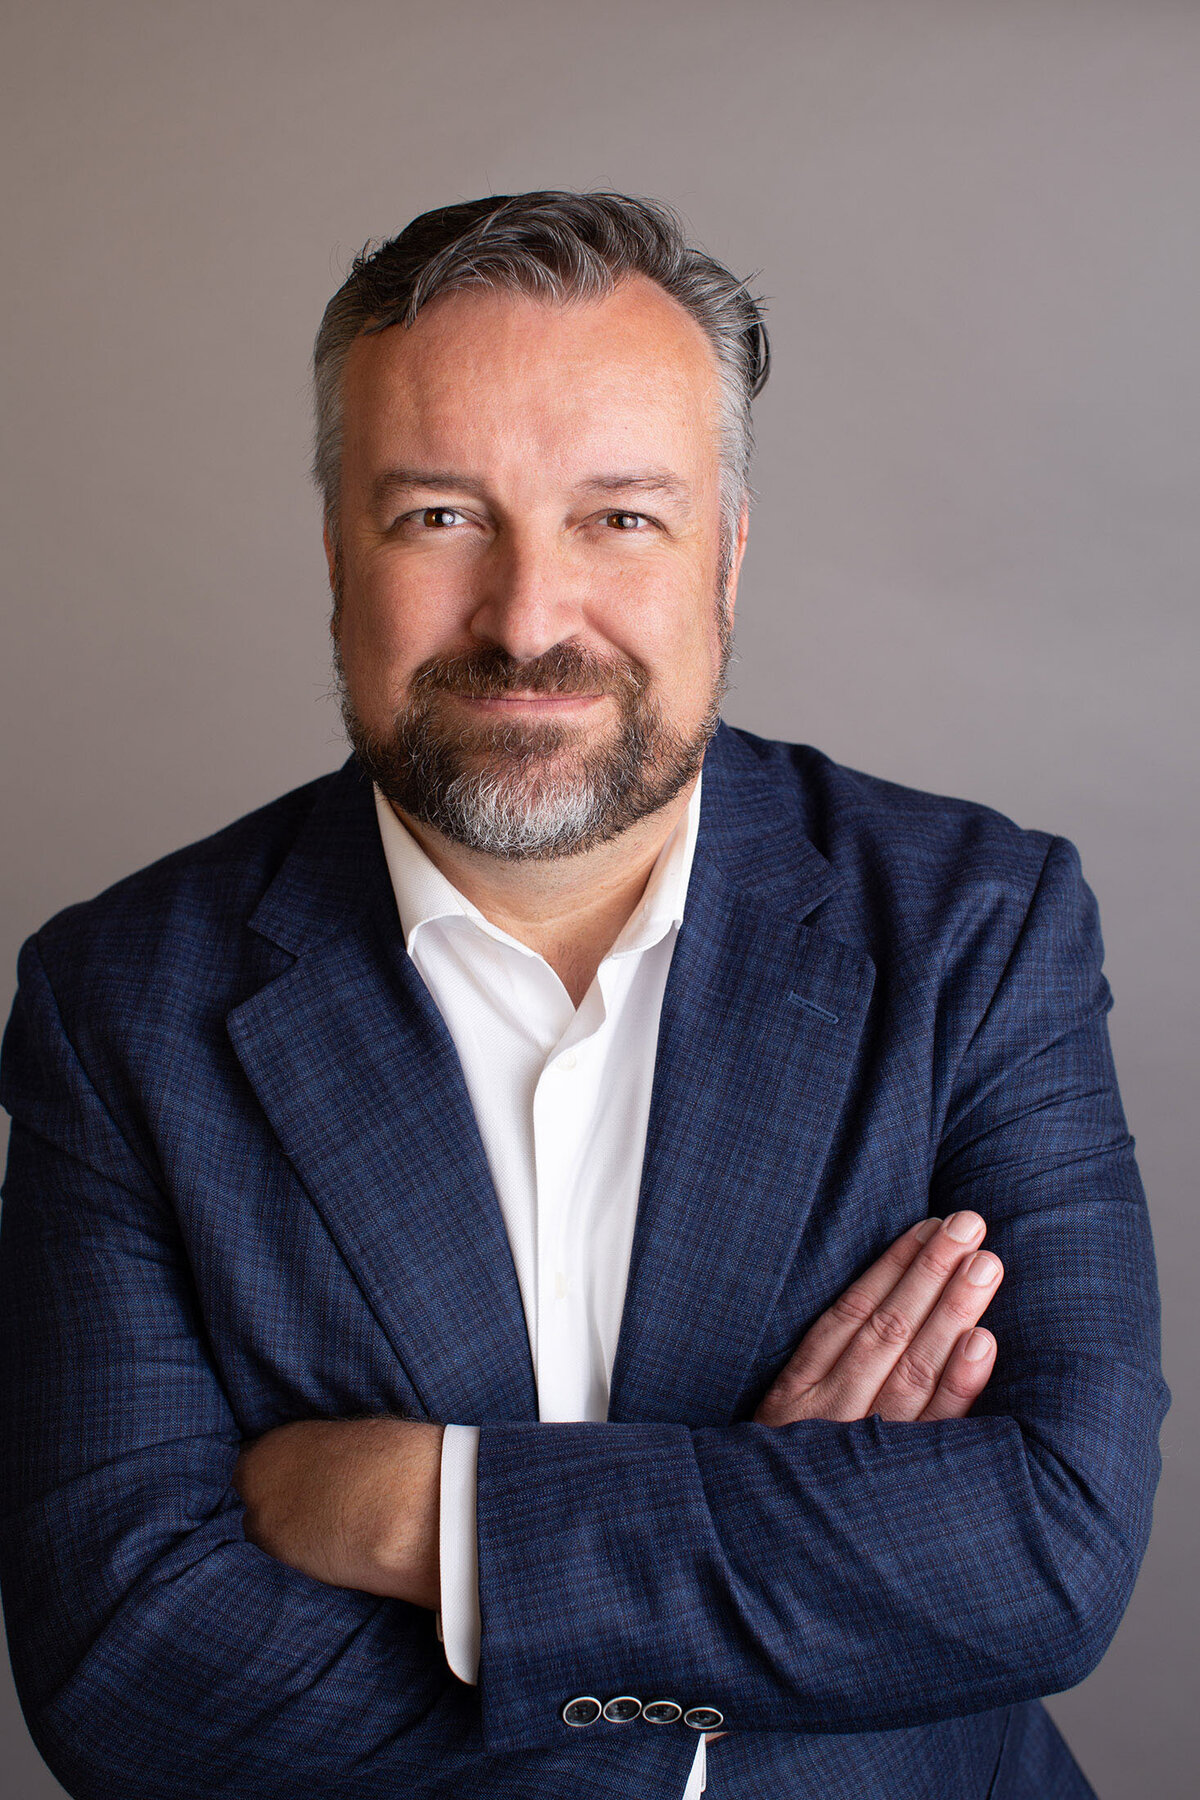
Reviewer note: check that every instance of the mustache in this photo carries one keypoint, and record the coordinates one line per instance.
(488, 672)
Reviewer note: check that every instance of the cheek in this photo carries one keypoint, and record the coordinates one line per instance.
(666, 614)
(682, 654)
(387, 626)
(377, 658)
(691, 640)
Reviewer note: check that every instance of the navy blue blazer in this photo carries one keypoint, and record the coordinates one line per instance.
(246, 1186)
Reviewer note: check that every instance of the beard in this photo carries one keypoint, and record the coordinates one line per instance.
(532, 789)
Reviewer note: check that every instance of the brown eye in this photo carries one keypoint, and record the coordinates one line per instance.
(438, 515)
(624, 521)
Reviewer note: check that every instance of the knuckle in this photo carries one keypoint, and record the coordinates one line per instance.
(889, 1326)
(958, 1386)
(784, 1405)
(962, 1307)
(785, 1393)
(851, 1308)
(936, 1260)
(916, 1372)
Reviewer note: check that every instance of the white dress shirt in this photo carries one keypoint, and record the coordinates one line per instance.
(561, 1097)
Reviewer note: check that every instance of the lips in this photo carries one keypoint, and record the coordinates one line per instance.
(529, 699)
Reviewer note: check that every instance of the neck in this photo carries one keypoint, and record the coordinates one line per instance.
(570, 909)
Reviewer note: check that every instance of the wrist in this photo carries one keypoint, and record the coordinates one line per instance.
(405, 1502)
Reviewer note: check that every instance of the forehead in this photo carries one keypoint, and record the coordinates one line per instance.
(481, 370)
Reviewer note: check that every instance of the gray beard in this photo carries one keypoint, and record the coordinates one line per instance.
(525, 791)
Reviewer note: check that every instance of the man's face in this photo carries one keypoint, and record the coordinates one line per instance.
(531, 634)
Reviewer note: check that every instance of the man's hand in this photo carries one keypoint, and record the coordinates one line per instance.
(353, 1502)
(899, 1342)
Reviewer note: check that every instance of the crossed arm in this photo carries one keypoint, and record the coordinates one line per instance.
(355, 1502)
(861, 1555)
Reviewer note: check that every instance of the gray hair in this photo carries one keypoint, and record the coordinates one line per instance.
(556, 246)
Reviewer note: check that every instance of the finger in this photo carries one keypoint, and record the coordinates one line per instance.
(873, 1352)
(967, 1373)
(920, 1366)
(824, 1341)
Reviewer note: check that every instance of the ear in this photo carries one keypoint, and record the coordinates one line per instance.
(333, 563)
(739, 551)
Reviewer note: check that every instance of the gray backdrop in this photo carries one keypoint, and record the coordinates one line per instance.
(973, 561)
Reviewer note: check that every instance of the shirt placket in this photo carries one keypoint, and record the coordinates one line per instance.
(559, 1120)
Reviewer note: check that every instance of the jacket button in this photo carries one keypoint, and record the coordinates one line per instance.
(661, 1712)
(583, 1710)
(703, 1718)
(622, 1709)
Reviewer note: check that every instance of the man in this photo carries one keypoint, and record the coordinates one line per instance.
(527, 1188)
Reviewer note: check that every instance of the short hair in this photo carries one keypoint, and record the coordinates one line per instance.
(558, 246)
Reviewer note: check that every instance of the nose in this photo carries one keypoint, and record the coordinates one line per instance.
(527, 602)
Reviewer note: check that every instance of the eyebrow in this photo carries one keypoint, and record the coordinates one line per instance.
(393, 481)
(623, 481)
(641, 481)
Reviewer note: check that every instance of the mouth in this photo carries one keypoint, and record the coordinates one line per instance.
(529, 702)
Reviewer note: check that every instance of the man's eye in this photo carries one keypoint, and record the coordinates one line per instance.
(624, 521)
(435, 516)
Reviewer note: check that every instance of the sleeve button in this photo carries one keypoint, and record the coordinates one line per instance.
(703, 1718)
(583, 1710)
(661, 1712)
(622, 1709)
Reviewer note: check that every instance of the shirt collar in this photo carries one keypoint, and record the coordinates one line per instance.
(424, 895)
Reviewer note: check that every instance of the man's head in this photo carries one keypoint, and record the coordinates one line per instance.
(533, 438)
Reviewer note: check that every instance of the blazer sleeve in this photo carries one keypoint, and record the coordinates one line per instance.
(855, 1577)
(156, 1651)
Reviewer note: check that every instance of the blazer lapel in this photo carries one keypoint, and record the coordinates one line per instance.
(757, 1044)
(359, 1078)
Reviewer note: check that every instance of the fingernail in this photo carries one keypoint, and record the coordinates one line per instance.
(977, 1346)
(927, 1229)
(982, 1269)
(963, 1226)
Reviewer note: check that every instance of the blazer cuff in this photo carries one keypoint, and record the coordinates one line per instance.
(458, 1548)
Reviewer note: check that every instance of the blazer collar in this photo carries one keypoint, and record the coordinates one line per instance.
(356, 1072)
(358, 1076)
(753, 841)
(759, 1045)
(334, 872)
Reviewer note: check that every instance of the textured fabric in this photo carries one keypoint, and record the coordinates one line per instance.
(245, 1186)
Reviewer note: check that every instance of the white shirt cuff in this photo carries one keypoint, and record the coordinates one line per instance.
(698, 1778)
(458, 1546)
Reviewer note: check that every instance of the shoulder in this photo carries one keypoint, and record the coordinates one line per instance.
(906, 860)
(852, 816)
(180, 921)
(224, 870)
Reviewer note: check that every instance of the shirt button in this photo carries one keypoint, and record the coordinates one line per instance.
(623, 1708)
(703, 1718)
(583, 1710)
(568, 1061)
(661, 1712)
